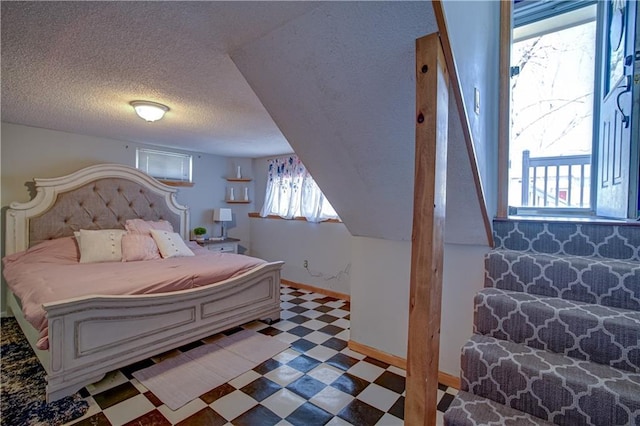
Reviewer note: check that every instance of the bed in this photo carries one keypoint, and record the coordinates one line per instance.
(91, 335)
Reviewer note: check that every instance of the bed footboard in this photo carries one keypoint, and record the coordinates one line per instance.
(91, 336)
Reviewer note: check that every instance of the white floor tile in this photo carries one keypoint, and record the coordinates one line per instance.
(312, 314)
(379, 397)
(232, 405)
(337, 421)
(244, 379)
(353, 354)
(331, 400)
(283, 375)
(287, 337)
(325, 373)
(136, 384)
(183, 412)
(255, 326)
(340, 313)
(284, 325)
(286, 355)
(344, 335)
(315, 324)
(317, 337)
(128, 410)
(283, 402)
(389, 420)
(321, 353)
(342, 323)
(367, 371)
(310, 305)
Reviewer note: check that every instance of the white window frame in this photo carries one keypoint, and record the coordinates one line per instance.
(179, 166)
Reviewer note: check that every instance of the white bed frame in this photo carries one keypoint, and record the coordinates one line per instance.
(90, 336)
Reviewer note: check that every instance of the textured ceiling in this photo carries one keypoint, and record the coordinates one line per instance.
(75, 66)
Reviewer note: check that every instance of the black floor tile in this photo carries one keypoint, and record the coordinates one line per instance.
(306, 386)
(331, 329)
(376, 362)
(391, 381)
(300, 331)
(232, 331)
(217, 393)
(130, 369)
(350, 384)
(268, 365)
(327, 318)
(206, 416)
(298, 309)
(190, 346)
(261, 388)
(335, 343)
(299, 319)
(258, 415)
(270, 331)
(115, 395)
(303, 363)
(302, 345)
(342, 361)
(445, 401)
(397, 409)
(360, 413)
(309, 415)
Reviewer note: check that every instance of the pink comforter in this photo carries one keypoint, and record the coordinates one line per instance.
(50, 272)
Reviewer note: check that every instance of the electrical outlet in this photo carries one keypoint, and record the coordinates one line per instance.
(305, 263)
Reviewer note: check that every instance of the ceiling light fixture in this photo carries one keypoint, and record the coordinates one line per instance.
(149, 111)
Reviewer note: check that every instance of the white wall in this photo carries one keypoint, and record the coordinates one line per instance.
(380, 294)
(474, 32)
(29, 152)
(326, 246)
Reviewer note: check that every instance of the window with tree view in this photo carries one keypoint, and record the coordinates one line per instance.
(552, 102)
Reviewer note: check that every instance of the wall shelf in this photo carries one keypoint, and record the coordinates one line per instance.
(238, 201)
(239, 179)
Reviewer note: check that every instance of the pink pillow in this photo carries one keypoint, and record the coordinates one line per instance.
(140, 226)
(139, 247)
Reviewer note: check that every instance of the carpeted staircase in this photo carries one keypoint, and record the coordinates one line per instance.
(556, 328)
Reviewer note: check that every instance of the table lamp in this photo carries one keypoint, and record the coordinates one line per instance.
(222, 215)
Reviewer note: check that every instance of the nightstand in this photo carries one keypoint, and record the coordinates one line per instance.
(228, 245)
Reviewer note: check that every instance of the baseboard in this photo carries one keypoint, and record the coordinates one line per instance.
(314, 289)
(396, 361)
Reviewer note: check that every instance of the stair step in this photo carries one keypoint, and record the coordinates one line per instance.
(468, 409)
(607, 282)
(610, 240)
(609, 336)
(550, 386)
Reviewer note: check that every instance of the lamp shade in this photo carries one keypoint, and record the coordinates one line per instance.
(222, 215)
(149, 111)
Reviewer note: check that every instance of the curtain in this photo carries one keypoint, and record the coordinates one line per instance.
(292, 192)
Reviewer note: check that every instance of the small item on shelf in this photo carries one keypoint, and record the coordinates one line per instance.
(246, 193)
(238, 173)
(231, 194)
(216, 238)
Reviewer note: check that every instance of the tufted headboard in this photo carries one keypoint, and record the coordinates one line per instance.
(103, 196)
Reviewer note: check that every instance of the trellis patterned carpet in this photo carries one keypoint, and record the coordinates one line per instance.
(22, 398)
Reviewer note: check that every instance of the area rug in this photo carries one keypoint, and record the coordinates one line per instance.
(183, 378)
(23, 400)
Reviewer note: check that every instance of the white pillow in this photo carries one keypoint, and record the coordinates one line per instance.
(100, 246)
(170, 244)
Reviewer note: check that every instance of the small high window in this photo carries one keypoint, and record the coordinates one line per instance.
(163, 165)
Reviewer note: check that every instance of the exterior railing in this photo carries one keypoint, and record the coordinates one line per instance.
(563, 181)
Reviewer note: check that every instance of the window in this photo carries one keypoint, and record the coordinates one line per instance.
(163, 165)
(292, 192)
(552, 101)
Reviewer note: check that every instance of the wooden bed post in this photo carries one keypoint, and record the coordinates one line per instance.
(432, 100)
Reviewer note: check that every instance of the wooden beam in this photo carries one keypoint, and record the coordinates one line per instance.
(432, 100)
(504, 120)
(456, 89)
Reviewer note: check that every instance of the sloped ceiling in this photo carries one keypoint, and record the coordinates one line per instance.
(339, 82)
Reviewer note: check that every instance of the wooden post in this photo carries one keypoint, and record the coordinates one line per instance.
(432, 100)
(504, 109)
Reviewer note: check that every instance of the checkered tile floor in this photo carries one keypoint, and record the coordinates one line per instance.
(317, 381)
